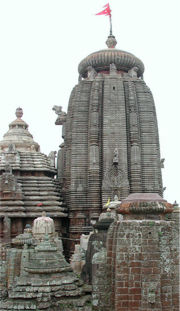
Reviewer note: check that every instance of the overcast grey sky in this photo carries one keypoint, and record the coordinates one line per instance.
(43, 41)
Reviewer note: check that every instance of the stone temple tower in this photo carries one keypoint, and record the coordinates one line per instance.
(111, 143)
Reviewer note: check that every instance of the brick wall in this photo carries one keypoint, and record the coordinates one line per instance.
(142, 265)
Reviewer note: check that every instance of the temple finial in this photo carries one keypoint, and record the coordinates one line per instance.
(19, 113)
(111, 41)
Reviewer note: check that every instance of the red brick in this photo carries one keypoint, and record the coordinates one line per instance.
(135, 270)
(121, 290)
(146, 270)
(125, 303)
(136, 297)
(137, 277)
(123, 297)
(135, 290)
(135, 264)
(137, 284)
(156, 270)
(134, 304)
(120, 284)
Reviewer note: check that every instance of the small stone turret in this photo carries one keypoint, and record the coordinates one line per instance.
(18, 137)
(43, 225)
(38, 275)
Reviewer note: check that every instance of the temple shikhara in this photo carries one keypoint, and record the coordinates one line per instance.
(88, 228)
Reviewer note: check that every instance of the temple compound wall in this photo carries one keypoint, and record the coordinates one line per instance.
(137, 269)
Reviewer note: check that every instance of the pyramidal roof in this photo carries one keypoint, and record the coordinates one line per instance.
(18, 136)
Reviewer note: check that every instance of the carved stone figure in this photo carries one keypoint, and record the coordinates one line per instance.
(11, 148)
(61, 115)
(162, 163)
(8, 168)
(113, 68)
(52, 157)
(91, 73)
(133, 72)
(135, 155)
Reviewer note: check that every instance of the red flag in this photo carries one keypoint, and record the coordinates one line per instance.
(40, 204)
(106, 12)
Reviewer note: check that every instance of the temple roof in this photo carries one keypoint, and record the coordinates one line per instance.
(102, 59)
(27, 183)
(18, 135)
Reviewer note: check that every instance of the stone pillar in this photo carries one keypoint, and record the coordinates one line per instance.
(134, 133)
(7, 229)
(94, 199)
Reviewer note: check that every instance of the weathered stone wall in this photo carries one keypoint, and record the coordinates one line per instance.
(142, 266)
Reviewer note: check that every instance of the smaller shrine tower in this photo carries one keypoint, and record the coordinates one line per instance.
(27, 182)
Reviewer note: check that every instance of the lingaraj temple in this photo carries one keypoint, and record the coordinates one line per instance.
(88, 229)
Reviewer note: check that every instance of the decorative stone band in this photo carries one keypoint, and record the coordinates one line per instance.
(144, 203)
(49, 270)
(145, 207)
(102, 59)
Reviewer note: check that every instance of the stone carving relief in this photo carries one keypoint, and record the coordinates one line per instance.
(114, 177)
(8, 168)
(152, 293)
(61, 115)
(135, 154)
(9, 186)
(112, 68)
(133, 72)
(162, 163)
(11, 148)
(91, 73)
(94, 155)
(52, 158)
(116, 156)
(133, 119)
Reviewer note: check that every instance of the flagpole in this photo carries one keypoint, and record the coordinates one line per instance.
(110, 20)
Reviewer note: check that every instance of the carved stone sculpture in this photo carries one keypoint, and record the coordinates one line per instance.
(52, 157)
(133, 72)
(113, 69)
(116, 157)
(61, 115)
(91, 73)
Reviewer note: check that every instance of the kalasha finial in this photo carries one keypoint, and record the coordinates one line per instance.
(111, 42)
(19, 112)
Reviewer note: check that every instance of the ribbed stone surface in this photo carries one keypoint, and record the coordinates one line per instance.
(27, 183)
(101, 61)
(111, 143)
